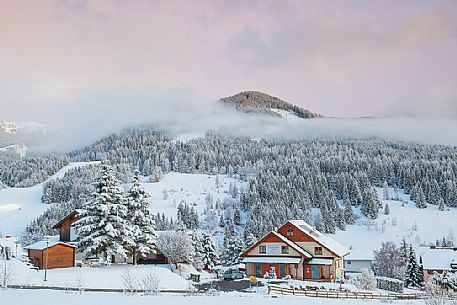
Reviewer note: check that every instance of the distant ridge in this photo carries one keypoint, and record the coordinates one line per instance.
(262, 103)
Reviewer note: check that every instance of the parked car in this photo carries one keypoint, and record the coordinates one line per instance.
(233, 274)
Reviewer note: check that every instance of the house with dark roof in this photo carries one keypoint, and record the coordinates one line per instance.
(298, 250)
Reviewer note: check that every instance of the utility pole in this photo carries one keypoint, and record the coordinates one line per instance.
(47, 238)
(5, 272)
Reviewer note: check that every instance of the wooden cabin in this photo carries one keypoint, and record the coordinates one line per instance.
(68, 235)
(60, 255)
(298, 250)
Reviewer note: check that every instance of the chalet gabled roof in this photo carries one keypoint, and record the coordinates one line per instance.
(69, 216)
(326, 241)
(285, 240)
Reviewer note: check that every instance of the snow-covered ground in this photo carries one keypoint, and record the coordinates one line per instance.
(415, 225)
(47, 297)
(19, 206)
(96, 277)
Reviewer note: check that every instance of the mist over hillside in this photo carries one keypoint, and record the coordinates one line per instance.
(79, 126)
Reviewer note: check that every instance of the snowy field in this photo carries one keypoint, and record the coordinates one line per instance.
(25, 297)
(96, 277)
(19, 206)
(415, 225)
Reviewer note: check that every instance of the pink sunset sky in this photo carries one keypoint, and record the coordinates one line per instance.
(339, 58)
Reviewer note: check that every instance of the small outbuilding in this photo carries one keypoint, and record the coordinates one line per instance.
(60, 255)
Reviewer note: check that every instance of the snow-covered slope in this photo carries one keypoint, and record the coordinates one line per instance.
(19, 206)
(417, 226)
(191, 188)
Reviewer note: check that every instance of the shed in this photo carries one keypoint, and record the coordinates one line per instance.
(60, 255)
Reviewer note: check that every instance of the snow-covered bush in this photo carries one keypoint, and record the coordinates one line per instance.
(389, 284)
(446, 281)
(150, 284)
(365, 280)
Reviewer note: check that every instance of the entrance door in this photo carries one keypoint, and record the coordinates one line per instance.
(315, 272)
(258, 270)
(282, 270)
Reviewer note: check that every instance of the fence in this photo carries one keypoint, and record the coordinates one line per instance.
(332, 294)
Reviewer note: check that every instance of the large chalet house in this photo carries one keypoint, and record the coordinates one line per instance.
(62, 251)
(298, 250)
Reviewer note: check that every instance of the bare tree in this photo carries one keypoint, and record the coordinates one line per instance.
(176, 246)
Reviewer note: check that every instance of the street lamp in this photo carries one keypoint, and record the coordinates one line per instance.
(47, 238)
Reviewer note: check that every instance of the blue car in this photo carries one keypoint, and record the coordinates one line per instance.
(233, 274)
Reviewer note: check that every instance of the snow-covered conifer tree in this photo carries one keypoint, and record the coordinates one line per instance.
(249, 241)
(386, 209)
(413, 273)
(420, 199)
(231, 254)
(349, 215)
(210, 257)
(197, 259)
(103, 228)
(141, 221)
(386, 194)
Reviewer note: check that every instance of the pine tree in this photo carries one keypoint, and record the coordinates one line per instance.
(210, 257)
(237, 217)
(420, 199)
(349, 215)
(386, 209)
(141, 221)
(103, 228)
(386, 193)
(341, 221)
(441, 206)
(249, 241)
(197, 259)
(413, 273)
(231, 254)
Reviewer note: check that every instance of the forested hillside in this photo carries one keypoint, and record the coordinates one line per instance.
(286, 179)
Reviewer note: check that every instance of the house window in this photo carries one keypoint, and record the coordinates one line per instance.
(290, 233)
(317, 250)
(284, 249)
(262, 249)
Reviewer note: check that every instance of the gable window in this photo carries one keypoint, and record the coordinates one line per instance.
(284, 249)
(290, 232)
(317, 250)
(262, 249)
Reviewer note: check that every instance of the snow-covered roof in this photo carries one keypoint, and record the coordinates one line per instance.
(272, 260)
(321, 238)
(41, 245)
(438, 258)
(360, 255)
(292, 245)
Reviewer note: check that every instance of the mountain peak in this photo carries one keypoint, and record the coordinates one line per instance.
(262, 103)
